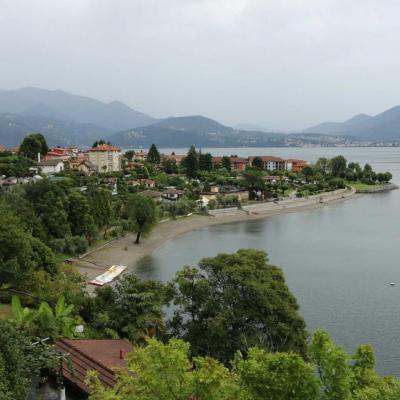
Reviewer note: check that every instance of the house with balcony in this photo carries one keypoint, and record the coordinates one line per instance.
(106, 158)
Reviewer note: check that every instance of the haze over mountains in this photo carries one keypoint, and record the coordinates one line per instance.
(68, 119)
(381, 127)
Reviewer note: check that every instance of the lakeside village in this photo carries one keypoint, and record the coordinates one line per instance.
(55, 203)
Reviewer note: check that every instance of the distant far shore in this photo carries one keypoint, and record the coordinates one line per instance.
(123, 251)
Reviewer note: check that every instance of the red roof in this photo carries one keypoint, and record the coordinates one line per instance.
(267, 158)
(102, 356)
(105, 147)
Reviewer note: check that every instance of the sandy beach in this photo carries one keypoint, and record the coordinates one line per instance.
(123, 250)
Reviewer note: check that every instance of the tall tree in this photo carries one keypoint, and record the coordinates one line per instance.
(257, 163)
(253, 182)
(191, 163)
(233, 302)
(129, 309)
(79, 215)
(153, 156)
(32, 145)
(205, 162)
(101, 207)
(142, 213)
(226, 163)
(338, 166)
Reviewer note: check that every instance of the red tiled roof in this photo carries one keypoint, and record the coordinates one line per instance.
(105, 147)
(102, 356)
(267, 158)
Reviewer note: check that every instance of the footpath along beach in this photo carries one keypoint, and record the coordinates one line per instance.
(123, 251)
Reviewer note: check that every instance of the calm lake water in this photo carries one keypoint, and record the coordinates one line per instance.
(338, 260)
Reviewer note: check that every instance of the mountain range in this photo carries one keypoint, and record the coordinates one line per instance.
(381, 127)
(68, 119)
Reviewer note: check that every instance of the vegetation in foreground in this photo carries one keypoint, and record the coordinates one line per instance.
(235, 334)
(235, 331)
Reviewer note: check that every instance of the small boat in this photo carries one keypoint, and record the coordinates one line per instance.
(392, 284)
(108, 276)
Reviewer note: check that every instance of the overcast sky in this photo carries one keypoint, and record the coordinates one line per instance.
(278, 63)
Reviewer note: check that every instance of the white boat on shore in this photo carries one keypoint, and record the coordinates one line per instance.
(108, 276)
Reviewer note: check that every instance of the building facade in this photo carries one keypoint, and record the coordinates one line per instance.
(106, 158)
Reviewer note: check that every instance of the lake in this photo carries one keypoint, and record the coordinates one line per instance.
(337, 260)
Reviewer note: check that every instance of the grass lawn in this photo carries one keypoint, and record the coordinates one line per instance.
(362, 186)
(5, 311)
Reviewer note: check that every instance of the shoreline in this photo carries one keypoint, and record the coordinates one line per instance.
(123, 250)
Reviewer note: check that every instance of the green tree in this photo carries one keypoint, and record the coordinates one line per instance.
(205, 162)
(129, 155)
(257, 163)
(234, 302)
(338, 166)
(191, 163)
(130, 309)
(226, 163)
(172, 377)
(32, 145)
(169, 166)
(20, 361)
(253, 181)
(142, 213)
(46, 322)
(21, 254)
(332, 366)
(277, 376)
(79, 215)
(153, 155)
(101, 207)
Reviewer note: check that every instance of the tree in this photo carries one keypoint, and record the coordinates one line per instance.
(253, 181)
(332, 365)
(205, 162)
(21, 255)
(20, 361)
(323, 165)
(233, 302)
(79, 215)
(226, 163)
(338, 166)
(169, 166)
(153, 155)
(50, 203)
(101, 207)
(46, 322)
(272, 376)
(32, 145)
(257, 163)
(142, 214)
(174, 376)
(129, 154)
(130, 309)
(191, 163)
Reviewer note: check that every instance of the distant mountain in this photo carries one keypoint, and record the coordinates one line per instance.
(382, 127)
(197, 130)
(114, 116)
(247, 126)
(14, 127)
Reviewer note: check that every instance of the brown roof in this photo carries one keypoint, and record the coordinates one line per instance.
(267, 158)
(102, 356)
(105, 147)
(151, 193)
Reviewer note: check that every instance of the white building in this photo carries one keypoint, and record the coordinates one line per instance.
(48, 167)
(106, 158)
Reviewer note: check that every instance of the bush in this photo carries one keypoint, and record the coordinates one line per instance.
(69, 245)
